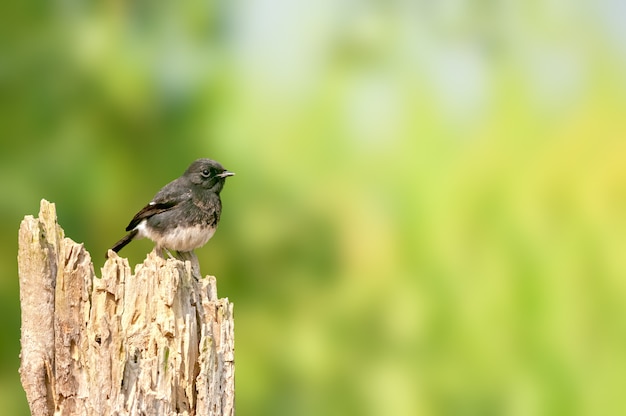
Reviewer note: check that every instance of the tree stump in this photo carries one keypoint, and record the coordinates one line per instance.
(157, 342)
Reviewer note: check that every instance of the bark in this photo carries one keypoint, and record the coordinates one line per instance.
(156, 342)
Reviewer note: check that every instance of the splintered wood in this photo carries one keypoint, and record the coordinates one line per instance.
(158, 342)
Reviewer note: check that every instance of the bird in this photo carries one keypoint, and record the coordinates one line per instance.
(184, 214)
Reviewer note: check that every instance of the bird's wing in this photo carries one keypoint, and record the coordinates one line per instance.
(166, 199)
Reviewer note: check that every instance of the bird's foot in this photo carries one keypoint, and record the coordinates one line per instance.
(190, 256)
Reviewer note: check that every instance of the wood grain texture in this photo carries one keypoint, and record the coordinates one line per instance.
(156, 342)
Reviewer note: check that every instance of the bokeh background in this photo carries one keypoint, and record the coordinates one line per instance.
(428, 216)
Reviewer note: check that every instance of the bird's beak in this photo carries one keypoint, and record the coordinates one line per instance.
(225, 174)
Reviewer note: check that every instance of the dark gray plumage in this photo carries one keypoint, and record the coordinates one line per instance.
(184, 214)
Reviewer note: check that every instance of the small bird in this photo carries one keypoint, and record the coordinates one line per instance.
(184, 214)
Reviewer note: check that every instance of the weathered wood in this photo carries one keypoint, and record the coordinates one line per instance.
(158, 342)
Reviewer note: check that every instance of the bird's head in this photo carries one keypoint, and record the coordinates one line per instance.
(208, 174)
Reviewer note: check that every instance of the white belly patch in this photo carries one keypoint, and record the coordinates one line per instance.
(180, 238)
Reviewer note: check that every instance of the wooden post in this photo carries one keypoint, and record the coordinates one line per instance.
(157, 342)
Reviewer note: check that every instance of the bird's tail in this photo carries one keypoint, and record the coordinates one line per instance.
(125, 240)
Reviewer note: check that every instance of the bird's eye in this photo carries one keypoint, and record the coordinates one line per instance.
(206, 173)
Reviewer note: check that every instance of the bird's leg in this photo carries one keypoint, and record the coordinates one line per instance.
(191, 257)
(163, 252)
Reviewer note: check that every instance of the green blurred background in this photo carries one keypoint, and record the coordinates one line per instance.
(428, 216)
